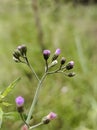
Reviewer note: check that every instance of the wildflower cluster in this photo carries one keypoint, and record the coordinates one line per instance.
(19, 53)
(62, 67)
(20, 56)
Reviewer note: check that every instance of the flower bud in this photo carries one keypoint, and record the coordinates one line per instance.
(45, 120)
(19, 103)
(53, 63)
(57, 53)
(46, 54)
(71, 74)
(70, 65)
(63, 60)
(49, 117)
(16, 60)
(16, 54)
(22, 49)
(24, 127)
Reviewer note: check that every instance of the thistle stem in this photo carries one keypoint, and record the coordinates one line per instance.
(46, 66)
(29, 65)
(32, 127)
(35, 98)
(22, 117)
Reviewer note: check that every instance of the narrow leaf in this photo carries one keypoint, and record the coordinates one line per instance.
(10, 88)
(1, 116)
(6, 104)
(12, 115)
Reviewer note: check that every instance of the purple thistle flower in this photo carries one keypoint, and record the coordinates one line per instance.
(46, 54)
(19, 101)
(51, 116)
(57, 52)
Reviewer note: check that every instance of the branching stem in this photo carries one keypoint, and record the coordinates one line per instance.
(32, 127)
(35, 98)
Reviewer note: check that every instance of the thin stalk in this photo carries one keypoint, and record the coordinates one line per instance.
(22, 117)
(32, 127)
(35, 98)
(46, 66)
(38, 23)
(29, 65)
(55, 71)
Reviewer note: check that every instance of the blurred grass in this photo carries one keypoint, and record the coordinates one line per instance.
(73, 30)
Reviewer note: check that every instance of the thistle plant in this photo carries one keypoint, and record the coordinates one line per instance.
(20, 56)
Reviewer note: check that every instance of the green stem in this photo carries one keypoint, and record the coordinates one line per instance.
(29, 65)
(32, 127)
(35, 98)
(55, 71)
(22, 117)
(46, 66)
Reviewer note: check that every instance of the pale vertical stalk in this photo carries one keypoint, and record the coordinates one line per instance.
(81, 55)
(35, 8)
(35, 98)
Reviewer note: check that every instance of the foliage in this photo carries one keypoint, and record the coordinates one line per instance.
(3, 95)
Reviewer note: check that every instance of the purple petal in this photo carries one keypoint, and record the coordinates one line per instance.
(19, 101)
(58, 51)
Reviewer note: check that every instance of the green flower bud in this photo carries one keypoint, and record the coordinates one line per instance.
(16, 60)
(70, 65)
(53, 63)
(71, 74)
(63, 60)
(16, 54)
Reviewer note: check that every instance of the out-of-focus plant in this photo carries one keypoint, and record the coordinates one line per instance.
(20, 56)
(3, 96)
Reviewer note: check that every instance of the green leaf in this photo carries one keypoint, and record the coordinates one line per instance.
(9, 88)
(6, 104)
(12, 115)
(1, 116)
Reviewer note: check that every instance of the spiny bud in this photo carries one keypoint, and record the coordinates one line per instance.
(63, 60)
(46, 54)
(22, 49)
(71, 74)
(57, 53)
(70, 65)
(45, 120)
(49, 117)
(19, 103)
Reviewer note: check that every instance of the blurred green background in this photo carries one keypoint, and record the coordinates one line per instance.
(71, 28)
